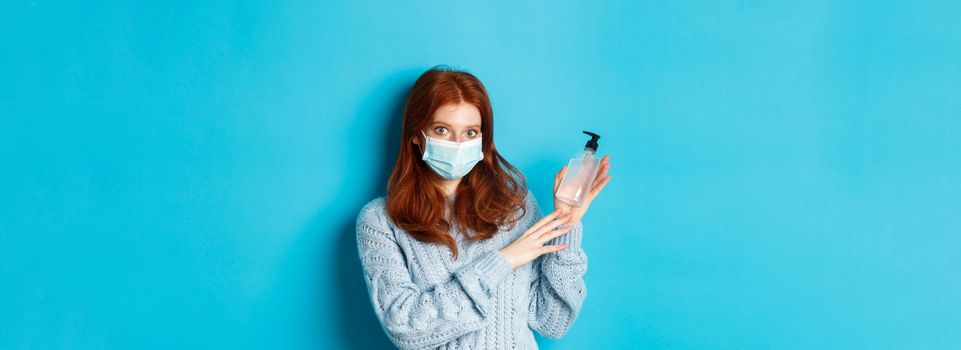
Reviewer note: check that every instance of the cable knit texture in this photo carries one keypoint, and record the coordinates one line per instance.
(425, 299)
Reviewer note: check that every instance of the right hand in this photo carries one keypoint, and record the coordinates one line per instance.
(530, 244)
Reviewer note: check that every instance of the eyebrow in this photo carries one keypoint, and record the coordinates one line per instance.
(448, 125)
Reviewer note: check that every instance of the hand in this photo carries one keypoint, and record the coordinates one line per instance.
(599, 182)
(530, 244)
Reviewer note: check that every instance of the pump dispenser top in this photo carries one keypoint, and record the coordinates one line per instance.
(592, 143)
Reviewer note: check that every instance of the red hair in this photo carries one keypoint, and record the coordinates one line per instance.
(485, 198)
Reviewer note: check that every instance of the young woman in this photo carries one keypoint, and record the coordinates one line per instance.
(457, 255)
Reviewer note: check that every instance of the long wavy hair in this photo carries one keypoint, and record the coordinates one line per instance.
(487, 197)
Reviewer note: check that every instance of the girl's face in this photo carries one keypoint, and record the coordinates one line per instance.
(457, 123)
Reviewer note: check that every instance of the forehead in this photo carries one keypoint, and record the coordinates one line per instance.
(459, 116)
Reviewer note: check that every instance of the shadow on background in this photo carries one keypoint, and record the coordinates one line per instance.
(378, 121)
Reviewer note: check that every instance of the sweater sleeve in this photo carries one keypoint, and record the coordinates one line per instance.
(557, 286)
(416, 317)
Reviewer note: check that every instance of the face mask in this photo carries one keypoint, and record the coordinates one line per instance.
(452, 160)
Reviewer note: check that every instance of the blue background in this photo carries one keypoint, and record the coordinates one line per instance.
(187, 174)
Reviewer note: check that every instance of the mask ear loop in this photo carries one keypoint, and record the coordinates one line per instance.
(422, 154)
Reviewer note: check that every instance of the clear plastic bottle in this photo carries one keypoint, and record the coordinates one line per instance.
(581, 171)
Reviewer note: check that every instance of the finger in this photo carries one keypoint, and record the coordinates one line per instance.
(551, 248)
(550, 217)
(600, 185)
(605, 160)
(554, 234)
(597, 189)
(601, 173)
(599, 178)
(550, 226)
(553, 225)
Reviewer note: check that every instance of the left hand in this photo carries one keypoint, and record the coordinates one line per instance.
(600, 181)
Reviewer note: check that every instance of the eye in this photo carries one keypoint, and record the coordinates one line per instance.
(472, 133)
(440, 130)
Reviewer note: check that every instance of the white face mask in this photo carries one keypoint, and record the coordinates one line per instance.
(452, 160)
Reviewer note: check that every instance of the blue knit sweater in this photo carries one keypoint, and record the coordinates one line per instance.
(425, 299)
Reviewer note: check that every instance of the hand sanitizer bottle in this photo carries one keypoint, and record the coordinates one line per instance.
(581, 171)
